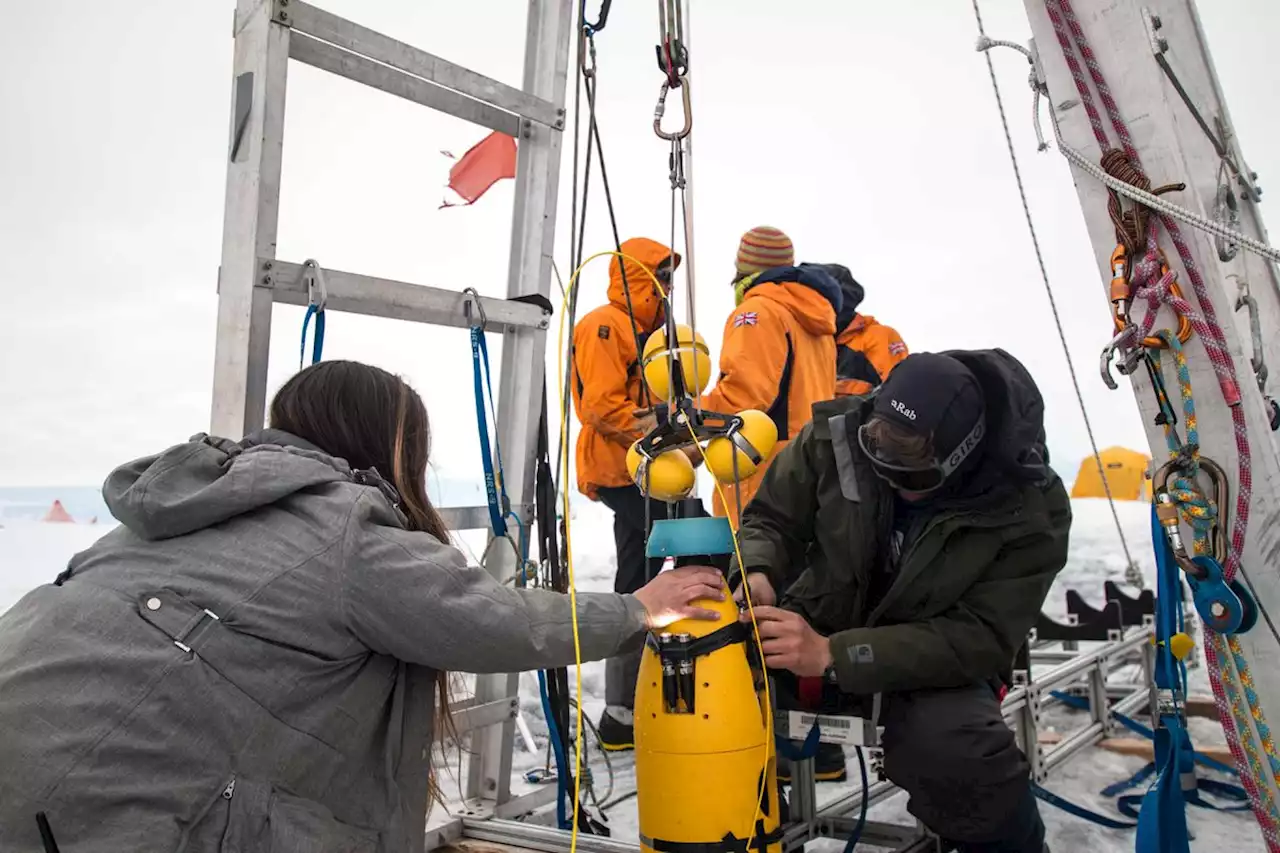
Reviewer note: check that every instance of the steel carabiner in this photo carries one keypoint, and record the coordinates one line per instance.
(313, 277)
(1109, 353)
(473, 308)
(660, 110)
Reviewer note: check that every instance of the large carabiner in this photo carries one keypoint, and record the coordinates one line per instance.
(1167, 512)
(1122, 297)
(660, 110)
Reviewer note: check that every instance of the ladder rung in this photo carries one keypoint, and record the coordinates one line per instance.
(305, 18)
(384, 78)
(397, 300)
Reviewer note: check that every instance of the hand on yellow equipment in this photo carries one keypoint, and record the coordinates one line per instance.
(669, 597)
(762, 593)
(646, 421)
(790, 642)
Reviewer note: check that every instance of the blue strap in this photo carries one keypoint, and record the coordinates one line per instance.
(317, 344)
(1133, 725)
(499, 506)
(1079, 811)
(1118, 788)
(807, 749)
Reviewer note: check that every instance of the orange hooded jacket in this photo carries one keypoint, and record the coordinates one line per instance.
(866, 352)
(607, 388)
(779, 356)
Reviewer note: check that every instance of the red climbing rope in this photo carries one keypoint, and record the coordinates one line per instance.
(1156, 289)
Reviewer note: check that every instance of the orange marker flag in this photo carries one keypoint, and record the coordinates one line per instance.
(489, 161)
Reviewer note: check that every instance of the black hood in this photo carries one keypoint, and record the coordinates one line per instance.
(850, 290)
(1015, 442)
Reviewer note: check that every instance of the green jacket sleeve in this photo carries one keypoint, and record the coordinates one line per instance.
(777, 525)
(974, 639)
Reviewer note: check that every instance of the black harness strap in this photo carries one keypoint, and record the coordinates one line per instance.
(701, 647)
(729, 844)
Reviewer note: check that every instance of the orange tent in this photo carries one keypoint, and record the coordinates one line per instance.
(58, 514)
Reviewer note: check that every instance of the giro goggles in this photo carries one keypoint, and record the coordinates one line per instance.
(915, 478)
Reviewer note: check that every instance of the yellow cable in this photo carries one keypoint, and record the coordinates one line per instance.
(568, 545)
(755, 630)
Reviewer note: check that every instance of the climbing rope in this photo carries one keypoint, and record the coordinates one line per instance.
(1133, 574)
(1071, 37)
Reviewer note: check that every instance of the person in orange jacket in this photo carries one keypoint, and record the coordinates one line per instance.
(608, 396)
(778, 354)
(866, 351)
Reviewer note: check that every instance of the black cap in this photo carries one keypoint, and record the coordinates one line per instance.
(933, 395)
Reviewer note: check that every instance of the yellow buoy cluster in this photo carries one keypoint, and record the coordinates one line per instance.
(694, 356)
(700, 726)
(669, 476)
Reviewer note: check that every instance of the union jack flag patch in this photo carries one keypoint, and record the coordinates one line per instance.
(897, 348)
(746, 318)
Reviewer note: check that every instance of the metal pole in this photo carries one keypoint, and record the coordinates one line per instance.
(259, 75)
(1173, 147)
(523, 352)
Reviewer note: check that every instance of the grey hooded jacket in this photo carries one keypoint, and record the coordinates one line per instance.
(247, 663)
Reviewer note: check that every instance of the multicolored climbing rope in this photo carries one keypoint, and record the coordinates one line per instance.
(1071, 38)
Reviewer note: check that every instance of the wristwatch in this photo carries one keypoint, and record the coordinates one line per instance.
(830, 676)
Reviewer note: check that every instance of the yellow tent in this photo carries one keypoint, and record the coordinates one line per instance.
(1126, 475)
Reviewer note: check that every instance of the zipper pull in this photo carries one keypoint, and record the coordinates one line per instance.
(229, 791)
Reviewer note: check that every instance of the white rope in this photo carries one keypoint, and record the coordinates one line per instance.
(1155, 202)
(1132, 574)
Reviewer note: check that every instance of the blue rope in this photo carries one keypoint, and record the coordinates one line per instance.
(499, 512)
(317, 344)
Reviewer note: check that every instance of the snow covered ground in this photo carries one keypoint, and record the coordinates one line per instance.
(32, 553)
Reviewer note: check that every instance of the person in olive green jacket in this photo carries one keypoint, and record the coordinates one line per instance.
(900, 549)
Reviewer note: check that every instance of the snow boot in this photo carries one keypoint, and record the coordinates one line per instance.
(615, 735)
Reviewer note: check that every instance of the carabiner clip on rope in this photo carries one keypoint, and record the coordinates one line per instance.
(473, 309)
(312, 277)
(660, 110)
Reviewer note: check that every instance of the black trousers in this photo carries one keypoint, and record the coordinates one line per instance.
(951, 751)
(634, 570)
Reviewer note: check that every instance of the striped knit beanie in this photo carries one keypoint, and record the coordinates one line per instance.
(764, 248)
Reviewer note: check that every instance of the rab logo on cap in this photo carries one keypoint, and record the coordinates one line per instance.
(909, 414)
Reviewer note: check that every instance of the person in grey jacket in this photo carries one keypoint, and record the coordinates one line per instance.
(252, 661)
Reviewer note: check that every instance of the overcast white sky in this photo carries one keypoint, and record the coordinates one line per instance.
(866, 130)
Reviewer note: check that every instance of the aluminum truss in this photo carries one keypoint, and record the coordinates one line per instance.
(268, 33)
(1091, 672)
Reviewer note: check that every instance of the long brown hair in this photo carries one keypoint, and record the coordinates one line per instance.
(374, 420)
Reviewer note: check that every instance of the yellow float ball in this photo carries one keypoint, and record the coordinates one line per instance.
(669, 477)
(695, 361)
(1180, 645)
(759, 431)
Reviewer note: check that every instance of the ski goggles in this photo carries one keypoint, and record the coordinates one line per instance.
(916, 478)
